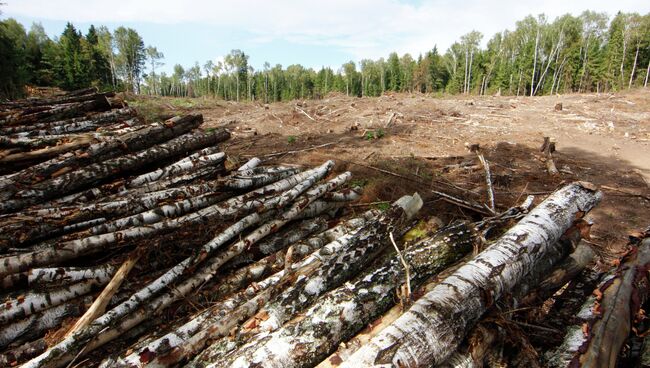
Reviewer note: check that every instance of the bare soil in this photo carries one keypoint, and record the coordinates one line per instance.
(397, 144)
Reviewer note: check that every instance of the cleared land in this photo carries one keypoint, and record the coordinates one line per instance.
(421, 144)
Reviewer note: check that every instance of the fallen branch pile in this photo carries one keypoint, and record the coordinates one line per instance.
(152, 248)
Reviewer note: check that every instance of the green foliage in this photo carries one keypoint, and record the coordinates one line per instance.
(584, 53)
(384, 206)
(12, 77)
(374, 134)
(291, 139)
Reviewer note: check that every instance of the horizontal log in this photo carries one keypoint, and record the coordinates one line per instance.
(130, 142)
(52, 113)
(71, 345)
(435, 325)
(99, 172)
(341, 313)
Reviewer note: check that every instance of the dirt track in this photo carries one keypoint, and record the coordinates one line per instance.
(602, 138)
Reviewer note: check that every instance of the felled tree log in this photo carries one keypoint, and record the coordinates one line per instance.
(33, 302)
(22, 158)
(37, 324)
(435, 325)
(605, 319)
(242, 204)
(71, 345)
(29, 144)
(156, 215)
(83, 95)
(184, 165)
(250, 164)
(275, 262)
(278, 241)
(566, 271)
(58, 112)
(26, 227)
(341, 313)
(50, 277)
(130, 142)
(96, 173)
(313, 281)
(101, 122)
(192, 336)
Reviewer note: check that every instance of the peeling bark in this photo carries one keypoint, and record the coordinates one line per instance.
(435, 325)
(341, 313)
(30, 303)
(71, 345)
(37, 324)
(314, 280)
(605, 319)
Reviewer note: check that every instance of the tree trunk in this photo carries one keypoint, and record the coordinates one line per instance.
(636, 56)
(532, 78)
(605, 319)
(72, 125)
(39, 278)
(566, 271)
(96, 173)
(130, 142)
(71, 345)
(184, 165)
(278, 241)
(30, 303)
(36, 325)
(46, 114)
(436, 324)
(341, 313)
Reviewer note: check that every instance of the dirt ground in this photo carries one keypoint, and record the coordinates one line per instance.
(397, 144)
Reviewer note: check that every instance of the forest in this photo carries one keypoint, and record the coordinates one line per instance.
(587, 53)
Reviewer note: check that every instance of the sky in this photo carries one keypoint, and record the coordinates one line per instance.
(310, 33)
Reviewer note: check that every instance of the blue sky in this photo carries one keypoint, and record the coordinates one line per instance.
(311, 33)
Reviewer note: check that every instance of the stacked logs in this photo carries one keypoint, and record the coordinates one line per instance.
(152, 248)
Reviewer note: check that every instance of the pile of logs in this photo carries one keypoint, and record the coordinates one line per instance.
(148, 246)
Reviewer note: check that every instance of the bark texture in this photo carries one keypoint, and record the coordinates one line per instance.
(436, 324)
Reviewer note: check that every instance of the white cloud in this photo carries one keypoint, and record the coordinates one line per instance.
(363, 28)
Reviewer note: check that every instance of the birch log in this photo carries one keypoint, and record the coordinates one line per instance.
(67, 349)
(33, 302)
(184, 165)
(341, 313)
(96, 173)
(435, 325)
(129, 142)
(191, 338)
(233, 207)
(313, 282)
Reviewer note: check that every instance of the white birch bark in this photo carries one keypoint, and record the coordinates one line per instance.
(435, 325)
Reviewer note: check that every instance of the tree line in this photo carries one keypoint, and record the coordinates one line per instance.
(585, 53)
